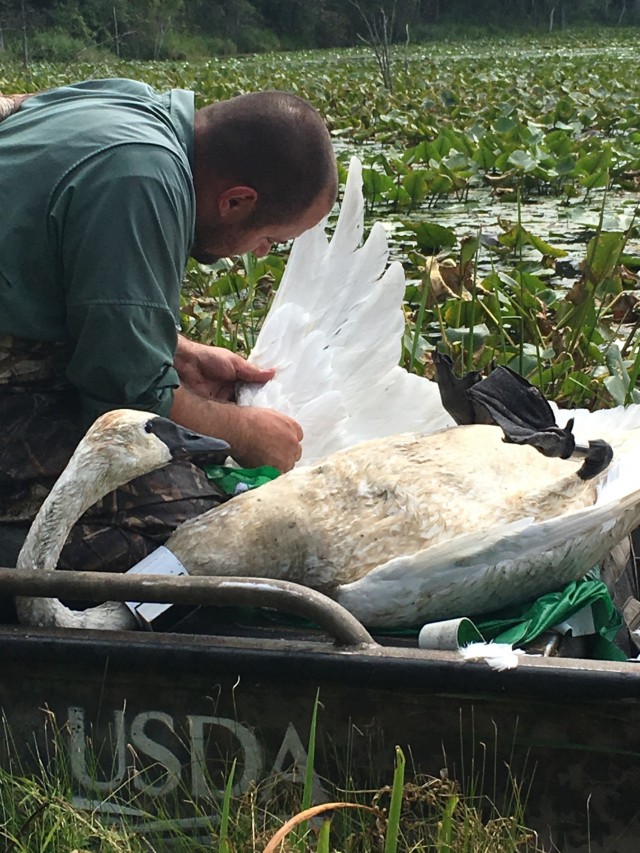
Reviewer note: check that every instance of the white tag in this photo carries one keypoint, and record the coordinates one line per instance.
(580, 624)
(162, 561)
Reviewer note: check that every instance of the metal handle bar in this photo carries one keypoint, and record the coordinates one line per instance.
(285, 596)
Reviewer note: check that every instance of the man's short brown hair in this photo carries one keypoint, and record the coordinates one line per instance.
(274, 142)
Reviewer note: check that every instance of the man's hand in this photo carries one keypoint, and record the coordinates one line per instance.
(10, 104)
(256, 436)
(212, 372)
(267, 437)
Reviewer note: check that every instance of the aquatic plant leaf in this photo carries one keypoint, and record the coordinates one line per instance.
(432, 237)
(523, 161)
(465, 336)
(603, 255)
(415, 185)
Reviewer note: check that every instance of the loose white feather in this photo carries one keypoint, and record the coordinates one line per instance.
(499, 656)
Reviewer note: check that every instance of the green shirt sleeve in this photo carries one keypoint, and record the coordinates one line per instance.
(123, 224)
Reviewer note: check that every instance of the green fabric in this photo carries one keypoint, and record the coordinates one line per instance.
(521, 624)
(98, 216)
(233, 481)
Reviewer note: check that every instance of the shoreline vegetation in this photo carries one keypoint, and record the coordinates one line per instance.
(86, 30)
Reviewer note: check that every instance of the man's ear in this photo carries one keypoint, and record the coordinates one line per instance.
(236, 204)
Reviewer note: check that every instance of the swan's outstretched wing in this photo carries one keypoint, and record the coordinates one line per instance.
(334, 335)
(478, 573)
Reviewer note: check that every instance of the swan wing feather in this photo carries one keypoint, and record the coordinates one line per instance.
(334, 333)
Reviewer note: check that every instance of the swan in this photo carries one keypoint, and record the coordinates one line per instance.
(399, 516)
(400, 530)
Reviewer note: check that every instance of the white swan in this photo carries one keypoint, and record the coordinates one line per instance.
(400, 530)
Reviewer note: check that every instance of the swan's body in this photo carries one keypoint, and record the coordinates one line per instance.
(400, 530)
(416, 528)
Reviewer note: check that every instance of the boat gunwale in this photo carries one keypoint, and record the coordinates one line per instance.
(384, 667)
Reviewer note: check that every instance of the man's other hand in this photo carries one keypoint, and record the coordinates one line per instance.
(256, 436)
(212, 372)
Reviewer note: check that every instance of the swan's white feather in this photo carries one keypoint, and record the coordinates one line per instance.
(334, 333)
(591, 425)
(499, 656)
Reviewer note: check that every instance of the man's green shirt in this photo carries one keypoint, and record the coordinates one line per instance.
(97, 216)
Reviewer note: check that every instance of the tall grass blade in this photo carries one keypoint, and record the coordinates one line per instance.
(323, 837)
(395, 807)
(307, 791)
(224, 845)
(445, 829)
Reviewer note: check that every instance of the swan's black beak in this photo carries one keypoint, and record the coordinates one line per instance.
(186, 444)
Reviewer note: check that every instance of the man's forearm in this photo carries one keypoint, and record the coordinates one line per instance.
(10, 104)
(256, 436)
(210, 417)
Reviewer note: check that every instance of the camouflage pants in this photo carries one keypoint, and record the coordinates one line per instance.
(39, 413)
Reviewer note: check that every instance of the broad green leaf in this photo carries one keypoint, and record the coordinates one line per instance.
(375, 183)
(595, 180)
(603, 255)
(617, 384)
(484, 157)
(415, 185)
(468, 250)
(476, 336)
(545, 248)
(522, 160)
(439, 184)
(432, 237)
(599, 161)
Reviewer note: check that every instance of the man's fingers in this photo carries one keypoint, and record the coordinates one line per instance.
(247, 372)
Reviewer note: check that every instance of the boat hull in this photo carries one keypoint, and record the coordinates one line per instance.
(159, 718)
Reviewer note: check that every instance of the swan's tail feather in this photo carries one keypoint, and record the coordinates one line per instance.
(334, 335)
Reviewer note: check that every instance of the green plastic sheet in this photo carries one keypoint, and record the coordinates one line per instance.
(234, 481)
(521, 624)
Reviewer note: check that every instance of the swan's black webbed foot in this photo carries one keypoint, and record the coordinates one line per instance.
(515, 405)
(453, 392)
(525, 417)
(597, 455)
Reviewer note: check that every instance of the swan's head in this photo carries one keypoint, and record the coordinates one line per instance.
(138, 442)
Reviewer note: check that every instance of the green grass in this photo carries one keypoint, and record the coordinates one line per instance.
(412, 814)
(419, 815)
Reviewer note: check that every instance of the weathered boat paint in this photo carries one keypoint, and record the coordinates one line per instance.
(166, 714)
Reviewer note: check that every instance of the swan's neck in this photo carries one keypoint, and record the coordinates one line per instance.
(86, 479)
